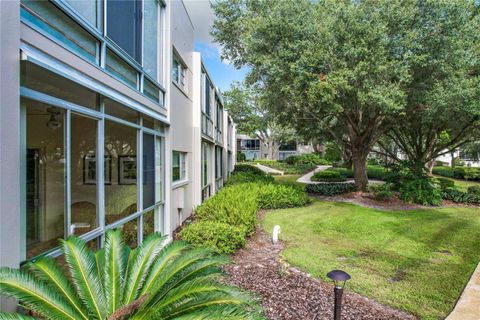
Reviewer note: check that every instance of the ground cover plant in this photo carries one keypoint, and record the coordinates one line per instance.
(224, 221)
(328, 176)
(375, 172)
(415, 260)
(154, 281)
(331, 189)
(295, 168)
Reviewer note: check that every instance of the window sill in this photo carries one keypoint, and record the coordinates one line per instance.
(180, 183)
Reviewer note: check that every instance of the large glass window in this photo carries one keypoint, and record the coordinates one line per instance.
(205, 160)
(218, 162)
(83, 178)
(121, 195)
(179, 166)
(60, 27)
(151, 38)
(148, 170)
(88, 9)
(118, 67)
(124, 26)
(179, 73)
(43, 80)
(45, 176)
(118, 110)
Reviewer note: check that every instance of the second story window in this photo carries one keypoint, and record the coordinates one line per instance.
(179, 71)
(124, 26)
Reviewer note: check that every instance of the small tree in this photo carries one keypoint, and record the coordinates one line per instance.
(253, 117)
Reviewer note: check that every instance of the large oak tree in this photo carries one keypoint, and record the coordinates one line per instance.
(342, 62)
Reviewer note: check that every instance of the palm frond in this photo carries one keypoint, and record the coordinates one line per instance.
(47, 270)
(166, 256)
(223, 313)
(83, 269)
(35, 295)
(139, 265)
(14, 316)
(114, 271)
(100, 260)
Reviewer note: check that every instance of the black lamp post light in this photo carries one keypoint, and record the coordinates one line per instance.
(339, 279)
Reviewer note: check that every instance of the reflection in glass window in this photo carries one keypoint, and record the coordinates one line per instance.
(179, 170)
(45, 81)
(158, 170)
(87, 9)
(130, 233)
(60, 27)
(45, 177)
(151, 90)
(148, 170)
(118, 110)
(148, 223)
(150, 45)
(121, 194)
(124, 26)
(120, 68)
(83, 174)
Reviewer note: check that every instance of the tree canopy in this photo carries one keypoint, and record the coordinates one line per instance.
(360, 65)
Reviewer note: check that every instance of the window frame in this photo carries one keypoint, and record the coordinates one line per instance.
(181, 81)
(182, 165)
(104, 43)
(100, 116)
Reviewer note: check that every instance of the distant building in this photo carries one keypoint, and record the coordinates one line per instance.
(254, 149)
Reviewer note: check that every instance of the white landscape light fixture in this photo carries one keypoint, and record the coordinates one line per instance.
(275, 233)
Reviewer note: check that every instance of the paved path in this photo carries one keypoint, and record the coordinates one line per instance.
(468, 306)
(268, 169)
(306, 178)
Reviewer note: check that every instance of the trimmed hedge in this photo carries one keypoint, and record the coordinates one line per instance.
(373, 172)
(465, 173)
(331, 189)
(245, 177)
(222, 237)
(297, 168)
(460, 197)
(248, 169)
(328, 176)
(307, 158)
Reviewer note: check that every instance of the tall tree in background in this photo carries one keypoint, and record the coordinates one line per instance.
(346, 62)
(253, 117)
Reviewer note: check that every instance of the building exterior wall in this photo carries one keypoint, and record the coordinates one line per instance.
(53, 99)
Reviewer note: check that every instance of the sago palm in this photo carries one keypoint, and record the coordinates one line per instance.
(154, 281)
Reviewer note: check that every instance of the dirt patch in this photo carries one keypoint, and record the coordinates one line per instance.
(290, 294)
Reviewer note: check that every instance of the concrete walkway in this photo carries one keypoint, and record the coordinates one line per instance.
(468, 306)
(306, 178)
(268, 169)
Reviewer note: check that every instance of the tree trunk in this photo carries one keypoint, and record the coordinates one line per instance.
(429, 167)
(452, 155)
(359, 159)
(270, 146)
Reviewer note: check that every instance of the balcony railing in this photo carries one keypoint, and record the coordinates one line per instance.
(218, 136)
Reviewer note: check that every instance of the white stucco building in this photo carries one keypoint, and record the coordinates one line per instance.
(111, 80)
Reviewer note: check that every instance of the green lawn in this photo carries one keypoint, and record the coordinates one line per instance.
(418, 260)
(289, 179)
(462, 185)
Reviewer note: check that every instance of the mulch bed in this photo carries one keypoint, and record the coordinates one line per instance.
(290, 294)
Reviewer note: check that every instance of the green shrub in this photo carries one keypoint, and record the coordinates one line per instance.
(381, 192)
(241, 157)
(347, 173)
(443, 171)
(331, 189)
(377, 172)
(471, 174)
(276, 196)
(474, 190)
(420, 190)
(236, 205)
(222, 237)
(445, 183)
(460, 197)
(439, 163)
(244, 177)
(248, 168)
(286, 167)
(458, 172)
(333, 152)
(328, 176)
(311, 159)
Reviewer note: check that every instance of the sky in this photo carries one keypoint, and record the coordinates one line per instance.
(222, 73)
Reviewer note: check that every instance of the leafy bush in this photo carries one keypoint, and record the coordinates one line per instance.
(381, 192)
(333, 152)
(153, 281)
(220, 236)
(310, 158)
(347, 173)
(331, 189)
(248, 169)
(287, 168)
(471, 174)
(474, 190)
(439, 163)
(377, 172)
(465, 173)
(244, 177)
(443, 171)
(328, 176)
(420, 190)
(275, 196)
(235, 205)
(241, 157)
(445, 183)
(460, 197)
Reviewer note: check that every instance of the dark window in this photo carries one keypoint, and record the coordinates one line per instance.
(148, 170)
(124, 26)
(207, 96)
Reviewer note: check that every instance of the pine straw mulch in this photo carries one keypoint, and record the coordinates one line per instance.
(290, 294)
